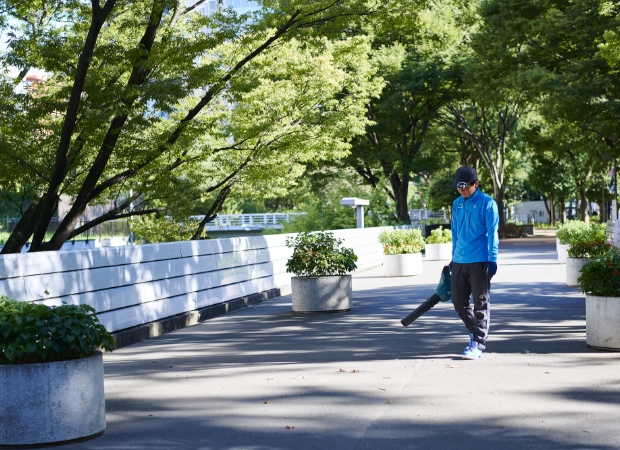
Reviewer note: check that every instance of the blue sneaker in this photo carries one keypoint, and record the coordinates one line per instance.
(472, 352)
(471, 340)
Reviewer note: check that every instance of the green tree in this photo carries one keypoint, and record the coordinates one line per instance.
(142, 99)
(417, 61)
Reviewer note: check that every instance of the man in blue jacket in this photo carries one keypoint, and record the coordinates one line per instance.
(474, 257)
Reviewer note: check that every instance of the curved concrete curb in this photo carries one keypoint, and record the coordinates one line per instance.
(321, 294)
(402, 265)
(573, 267)
(438, 252)
(603, 322)
(52, 402)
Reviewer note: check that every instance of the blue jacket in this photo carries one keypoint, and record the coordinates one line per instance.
(474, 229)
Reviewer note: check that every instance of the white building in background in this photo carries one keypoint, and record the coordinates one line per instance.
(532, 211)
(535, 211)
(210, 6)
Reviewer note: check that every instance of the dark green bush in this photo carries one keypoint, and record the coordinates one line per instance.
(319, 254)
(32, 332)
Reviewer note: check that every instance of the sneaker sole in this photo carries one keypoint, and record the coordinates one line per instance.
(470, 357)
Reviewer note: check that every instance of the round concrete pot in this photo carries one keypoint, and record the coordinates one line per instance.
(322, 294)
(603, 322)
(563, 253)
(402, 265)
(573, 267)
(52, 402)
(437, 252)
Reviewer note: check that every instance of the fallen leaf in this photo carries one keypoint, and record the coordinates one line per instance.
(546, 373)
(381, 389)
(389, 402)
(288, 427)
(341, 370)
(264, 403)
(356, 371)
(270, 378)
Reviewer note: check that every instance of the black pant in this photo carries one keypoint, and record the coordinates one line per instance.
(471, 279)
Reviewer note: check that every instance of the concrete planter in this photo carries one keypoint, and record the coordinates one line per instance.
(402, 265)
(52, 402)
(322, 294)
(573, 267)
(435, 252)
(603, 322)
(563, 253)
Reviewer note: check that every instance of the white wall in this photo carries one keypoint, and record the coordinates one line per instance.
(133, 285)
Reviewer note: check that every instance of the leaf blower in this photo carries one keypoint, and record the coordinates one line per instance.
(442, 294)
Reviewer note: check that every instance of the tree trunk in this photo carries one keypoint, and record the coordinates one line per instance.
(583, 205)
(401, 191)
(23, 230)
(552, 210)
(562, 210)
(498, 194)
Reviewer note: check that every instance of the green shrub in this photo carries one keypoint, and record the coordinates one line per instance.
(601, 276)
(154, 230)
(566, 230)
(439, 236)
(319, 254)
(511, 230)
(401, 241)
(32, 332)
(594, 232)
(588, 249)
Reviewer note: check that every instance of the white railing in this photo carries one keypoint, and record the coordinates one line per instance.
(257, 220)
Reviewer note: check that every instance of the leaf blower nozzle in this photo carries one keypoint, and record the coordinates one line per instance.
(442, 294)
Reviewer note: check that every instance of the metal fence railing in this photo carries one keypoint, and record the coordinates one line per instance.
(110, 229)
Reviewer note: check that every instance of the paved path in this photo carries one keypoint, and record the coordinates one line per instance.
(265, 378)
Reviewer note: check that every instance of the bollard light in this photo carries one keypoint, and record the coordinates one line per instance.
(359, 204)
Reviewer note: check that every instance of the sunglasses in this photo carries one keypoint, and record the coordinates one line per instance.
(464, 184)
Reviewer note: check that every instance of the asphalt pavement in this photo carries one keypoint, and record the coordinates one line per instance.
(265, 378)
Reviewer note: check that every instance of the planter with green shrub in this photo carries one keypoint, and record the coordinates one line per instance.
(321, 266)
(439, 245)
(402, 249)
(583, 243)
(600, 281)
(563, 236)
(49, 357)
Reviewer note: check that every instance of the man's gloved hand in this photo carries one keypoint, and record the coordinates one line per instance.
(491, 268)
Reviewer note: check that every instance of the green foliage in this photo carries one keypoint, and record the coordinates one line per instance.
(401, 241)
(571, 227)
(32, 333)
(440, 193)
(152, 230)
(588, 249)
(189, 109)
(439, 236)
(587, 234)
(601, 276)
(319, 254)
